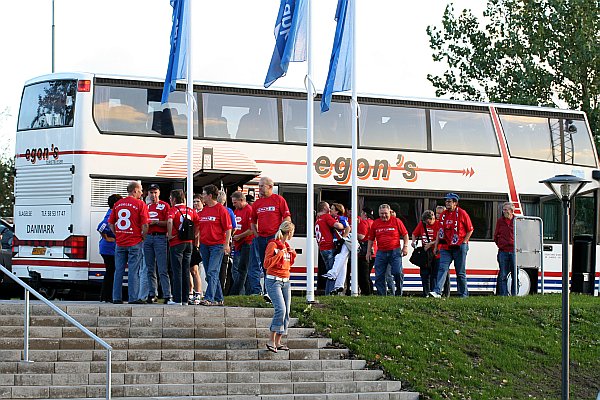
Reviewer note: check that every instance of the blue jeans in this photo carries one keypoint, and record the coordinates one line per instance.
(459, 256)
(255, 267)
(132, 257)
(212, 256)
(143, 286)
(328, 259)
(393, 258)
(239, 270)
(155, 253)
(506, 261)
(281, 295)
(181, 256)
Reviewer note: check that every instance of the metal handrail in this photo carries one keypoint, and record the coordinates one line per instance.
(29, 289)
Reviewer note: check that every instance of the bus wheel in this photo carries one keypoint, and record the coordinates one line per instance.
(48, 292)
(524, 283)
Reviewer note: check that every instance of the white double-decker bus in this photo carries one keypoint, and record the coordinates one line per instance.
(82, 137)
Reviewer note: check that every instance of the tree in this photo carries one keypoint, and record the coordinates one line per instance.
(536, 52)
(7, 176)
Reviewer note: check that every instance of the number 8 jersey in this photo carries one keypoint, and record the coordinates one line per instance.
(128, 216)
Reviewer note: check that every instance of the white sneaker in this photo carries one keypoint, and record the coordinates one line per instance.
(434, 294)
(197, 298)
(171, 302)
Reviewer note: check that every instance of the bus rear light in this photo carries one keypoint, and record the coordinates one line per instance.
(84, 85)
(15, 246)
(76, 247)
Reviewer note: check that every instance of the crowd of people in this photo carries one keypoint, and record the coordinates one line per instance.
(149, 236)
(236, 250)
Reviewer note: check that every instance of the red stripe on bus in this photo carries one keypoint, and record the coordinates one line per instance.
(504, 150)
(104, 153)
(52, 263)
(280, 162)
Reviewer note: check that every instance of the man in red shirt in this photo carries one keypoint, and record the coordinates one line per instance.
(268, 212)
(155, 246)
(215, 234)
(324, 226)
(365, 221)
(180, 248)
(129, 222)
(454, 234)
(242, 239)
(504, 236)
(388, 231)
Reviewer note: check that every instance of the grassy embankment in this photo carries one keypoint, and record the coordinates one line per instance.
(478, 348)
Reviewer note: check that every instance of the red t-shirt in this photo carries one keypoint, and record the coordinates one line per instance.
(268, 213)
(432, 231)
(243, 218)
(364, 228)
(214, 221)
(387, 233)
(453, 223)
(128, 216)
(158, 212)
(323, 234)
(177, 213)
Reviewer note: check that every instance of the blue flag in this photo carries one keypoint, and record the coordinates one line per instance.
(290, 38)
(340, 65)
(179, 46)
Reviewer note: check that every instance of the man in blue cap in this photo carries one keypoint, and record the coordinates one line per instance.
(453, 239)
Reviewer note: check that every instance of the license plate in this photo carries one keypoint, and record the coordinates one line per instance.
(38, 251)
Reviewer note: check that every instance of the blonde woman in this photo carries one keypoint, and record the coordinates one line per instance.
(279, 258)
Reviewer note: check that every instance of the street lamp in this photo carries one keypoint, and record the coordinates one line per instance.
(565, 187)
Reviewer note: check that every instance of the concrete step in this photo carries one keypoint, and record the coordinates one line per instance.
(41, 334)
(70, 376)
(207, 389)
(333, 396)
(75, 309)
(11, 324)
(120, 367)
(172, 352)
(226, 343)
(187, 355)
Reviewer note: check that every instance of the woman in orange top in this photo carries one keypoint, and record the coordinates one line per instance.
(279, 257)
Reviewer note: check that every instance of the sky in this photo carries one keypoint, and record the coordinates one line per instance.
(232, 43)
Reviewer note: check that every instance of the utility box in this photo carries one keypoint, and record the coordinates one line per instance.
(582, 279)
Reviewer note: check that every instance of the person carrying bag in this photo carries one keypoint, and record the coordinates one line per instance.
(424, 256)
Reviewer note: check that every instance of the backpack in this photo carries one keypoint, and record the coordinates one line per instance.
(186, 228)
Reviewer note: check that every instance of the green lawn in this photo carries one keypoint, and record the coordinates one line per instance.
(483, 347)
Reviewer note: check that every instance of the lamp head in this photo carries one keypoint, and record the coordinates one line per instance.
(565, 187)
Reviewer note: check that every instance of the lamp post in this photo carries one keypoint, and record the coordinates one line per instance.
(565, 187)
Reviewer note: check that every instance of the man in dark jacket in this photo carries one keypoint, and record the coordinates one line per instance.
(505, 240)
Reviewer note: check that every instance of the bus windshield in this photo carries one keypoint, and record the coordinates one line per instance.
(48, 105)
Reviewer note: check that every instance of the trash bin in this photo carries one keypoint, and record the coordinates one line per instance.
(582, 279)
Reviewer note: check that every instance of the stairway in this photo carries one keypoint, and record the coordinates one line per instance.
(176, 352)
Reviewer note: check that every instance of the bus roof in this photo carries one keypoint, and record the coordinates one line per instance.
(90, 76)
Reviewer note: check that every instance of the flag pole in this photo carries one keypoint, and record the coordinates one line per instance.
(354, 202)
(190, 106)
(310, 222)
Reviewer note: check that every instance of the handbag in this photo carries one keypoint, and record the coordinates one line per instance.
(421, 257)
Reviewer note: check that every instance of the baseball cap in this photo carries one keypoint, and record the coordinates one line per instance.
(154, 186)
(451, 196)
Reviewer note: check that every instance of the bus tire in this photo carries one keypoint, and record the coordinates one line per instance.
(524, 283)
(48, 292)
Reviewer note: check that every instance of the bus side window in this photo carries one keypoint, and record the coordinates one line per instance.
(216, 127)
